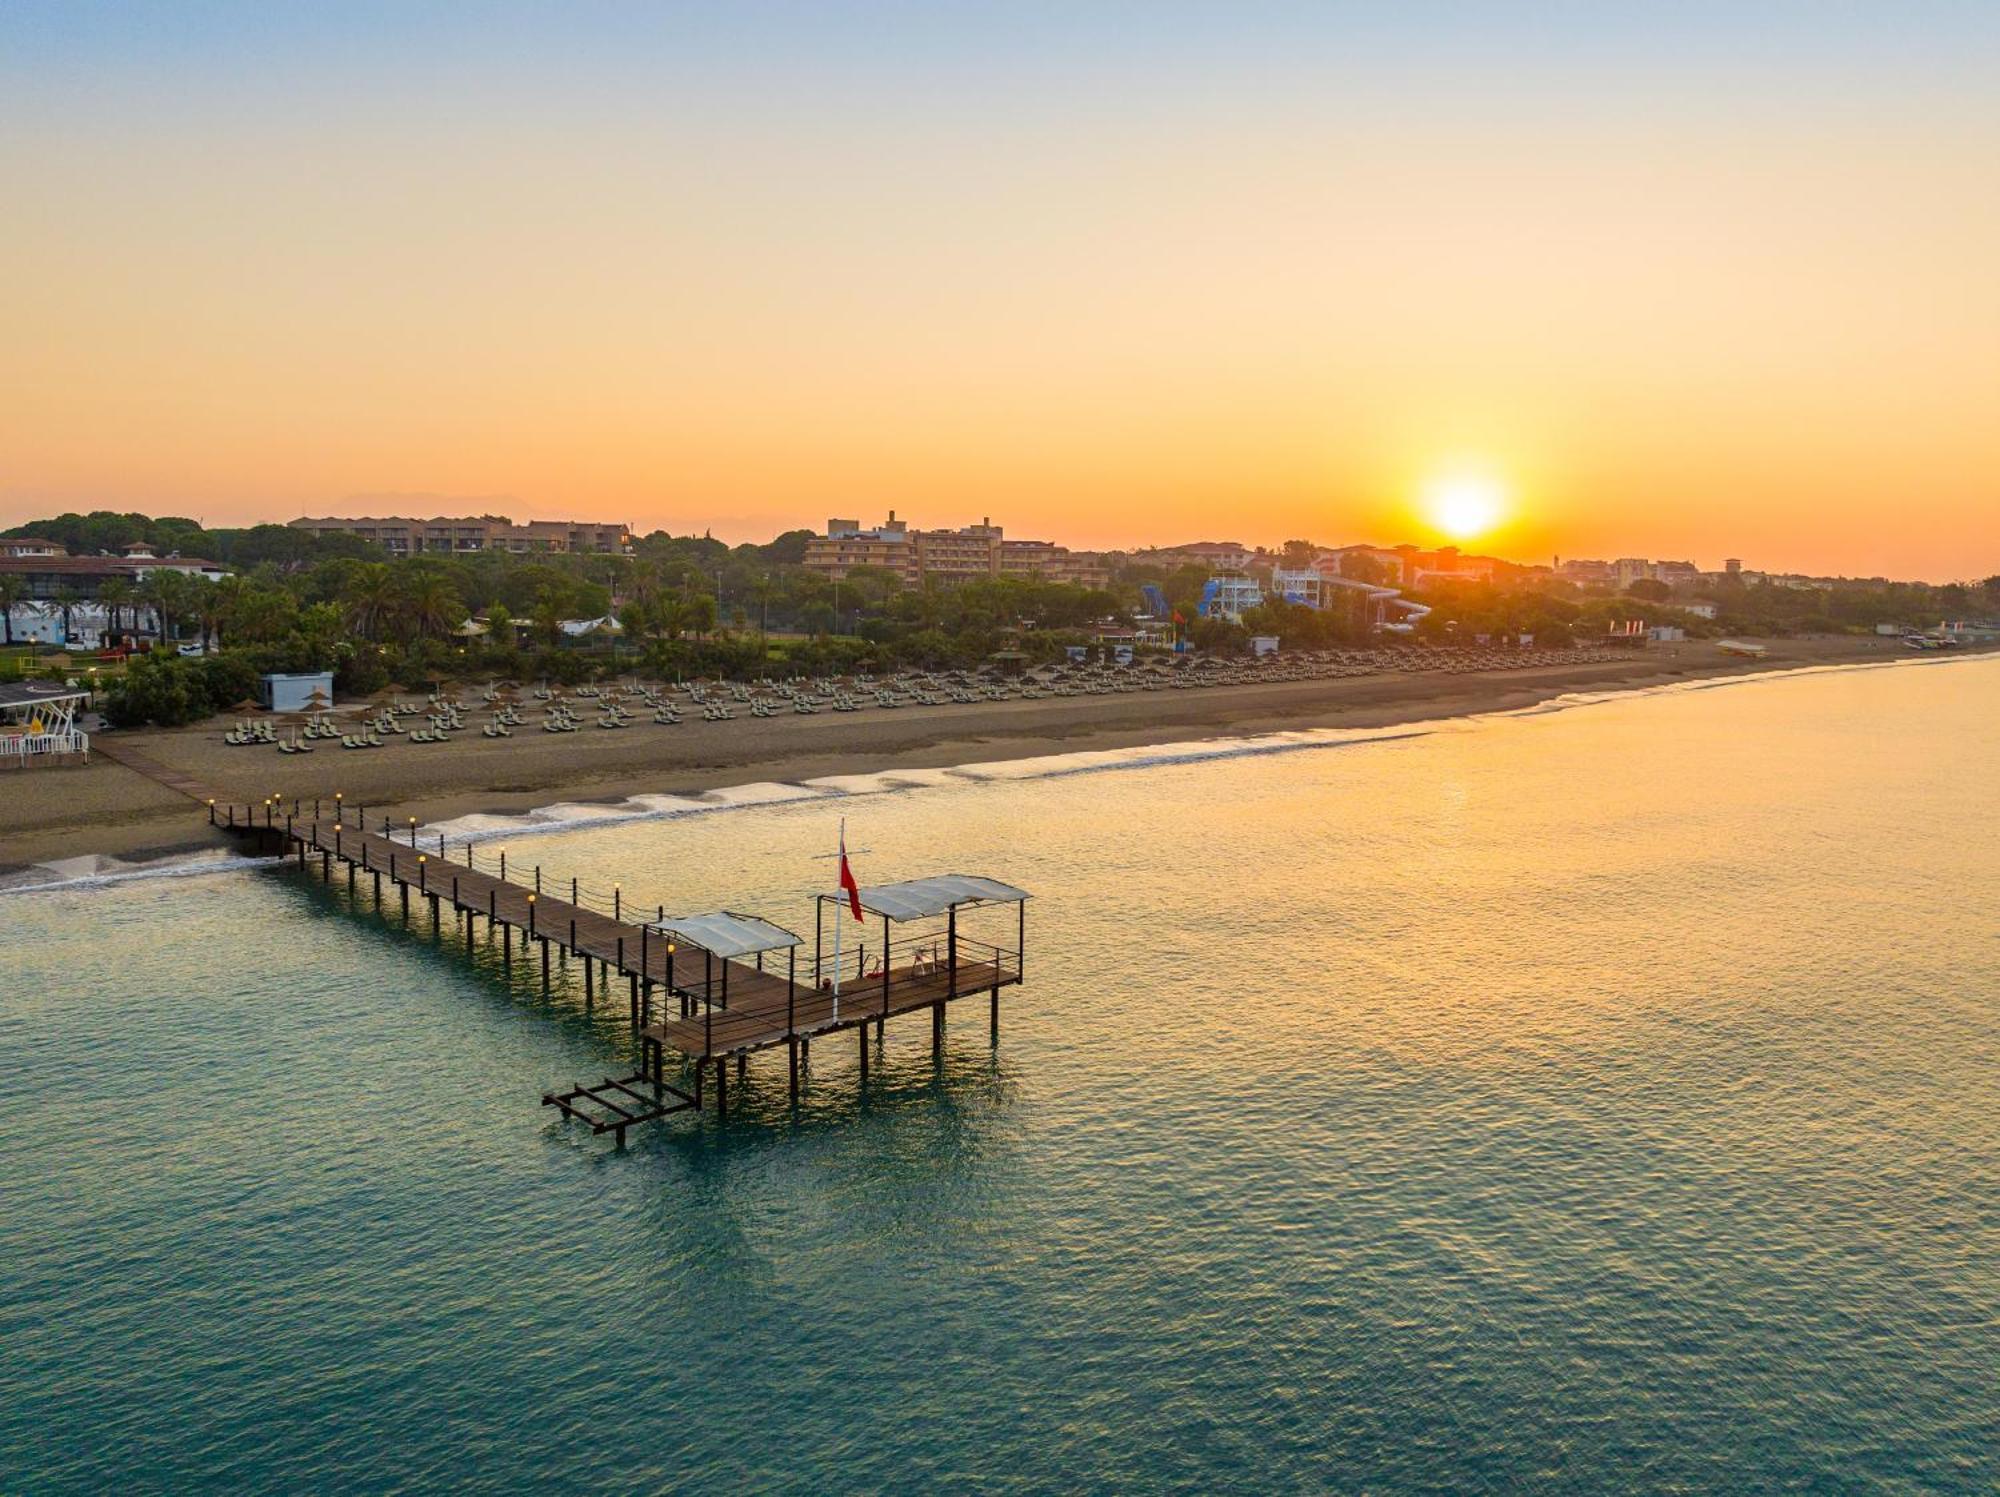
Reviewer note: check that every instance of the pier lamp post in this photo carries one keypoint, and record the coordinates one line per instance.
(413, 831)
(423, 887)
(211, 810)
(531, 914)
(503, 865)
(617, 904)
(336, 838)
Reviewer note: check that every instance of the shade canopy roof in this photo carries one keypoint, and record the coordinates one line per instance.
(31, 693)
(727, 934)
(915, 898)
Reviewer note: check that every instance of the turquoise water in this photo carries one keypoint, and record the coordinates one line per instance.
(1600, 1099)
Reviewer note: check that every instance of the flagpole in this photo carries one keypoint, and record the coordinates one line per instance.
(836, 929)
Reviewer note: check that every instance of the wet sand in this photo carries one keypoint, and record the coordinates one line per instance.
(107, 808)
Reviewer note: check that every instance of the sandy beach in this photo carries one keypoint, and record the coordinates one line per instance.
(108, 808)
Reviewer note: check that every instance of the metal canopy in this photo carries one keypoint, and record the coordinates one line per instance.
(34, 693)
(727, 934)
(915, 898)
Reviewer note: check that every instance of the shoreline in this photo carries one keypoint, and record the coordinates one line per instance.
(105, 809)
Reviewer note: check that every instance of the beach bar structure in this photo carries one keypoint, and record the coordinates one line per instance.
(714, 988)
(38, 720)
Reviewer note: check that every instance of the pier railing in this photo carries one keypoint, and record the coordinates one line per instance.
(728, 1007)
(926, 953)
(276, 813)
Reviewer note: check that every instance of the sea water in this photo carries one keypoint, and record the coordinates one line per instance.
(1594, 1099)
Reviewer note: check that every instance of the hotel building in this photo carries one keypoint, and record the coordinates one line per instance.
(408, 537)
(969, 554)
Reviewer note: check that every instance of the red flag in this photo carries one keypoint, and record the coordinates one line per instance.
(847, 877)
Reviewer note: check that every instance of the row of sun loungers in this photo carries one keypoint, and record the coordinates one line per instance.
(620, 705)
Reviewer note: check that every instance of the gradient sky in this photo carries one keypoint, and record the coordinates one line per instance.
(1697, 281)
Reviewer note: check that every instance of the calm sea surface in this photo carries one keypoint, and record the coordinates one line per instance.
(1606, 1099)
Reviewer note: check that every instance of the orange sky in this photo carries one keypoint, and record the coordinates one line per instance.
(1682, 311)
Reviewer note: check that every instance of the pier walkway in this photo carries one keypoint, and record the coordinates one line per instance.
(680, 995)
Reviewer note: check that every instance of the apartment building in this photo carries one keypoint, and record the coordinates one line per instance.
(401, 536)
(1053, 563)
(846, 546)
(966, 555)
(969, 554)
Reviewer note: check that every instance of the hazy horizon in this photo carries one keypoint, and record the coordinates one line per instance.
(1712, 284)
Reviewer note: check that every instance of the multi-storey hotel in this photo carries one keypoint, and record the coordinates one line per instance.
(948, 556)
(407, 537)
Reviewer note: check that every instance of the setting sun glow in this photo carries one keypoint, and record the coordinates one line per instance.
(1465, 505)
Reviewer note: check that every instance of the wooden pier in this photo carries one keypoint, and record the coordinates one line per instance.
(706, 986)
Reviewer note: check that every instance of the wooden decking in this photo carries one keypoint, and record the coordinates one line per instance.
(765, 1010)
(680, 997)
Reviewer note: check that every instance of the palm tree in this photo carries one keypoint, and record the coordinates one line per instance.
(433, 604)
(698, 613)
(168, 593)
(65, 602)
(13, 590)
(115, 594)
(642, 585)
(207, 604)
(547, 619)
(670, 617)
(223, 605)
(371, 600)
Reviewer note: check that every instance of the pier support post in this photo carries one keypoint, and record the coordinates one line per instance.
(545, 966)
(633, 981)
(434, 917)
(862, 1030)
(996, 1013)
(507, 949)
(404, 890)
(721, 1090)
(937, 1032)
(326, 865)
(793, 1047)
(350, 878)
(468, 918)
(378, 889)
(742, 1065)
(589, 988)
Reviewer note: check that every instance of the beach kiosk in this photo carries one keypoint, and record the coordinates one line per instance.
(303, 691)
(38, 720)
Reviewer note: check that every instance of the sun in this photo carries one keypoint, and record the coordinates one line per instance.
(1465, 505)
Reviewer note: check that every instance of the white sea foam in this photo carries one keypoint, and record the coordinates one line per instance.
(94, 870)
(562, 816)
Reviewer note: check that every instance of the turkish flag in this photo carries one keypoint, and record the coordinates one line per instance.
(847, 879)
